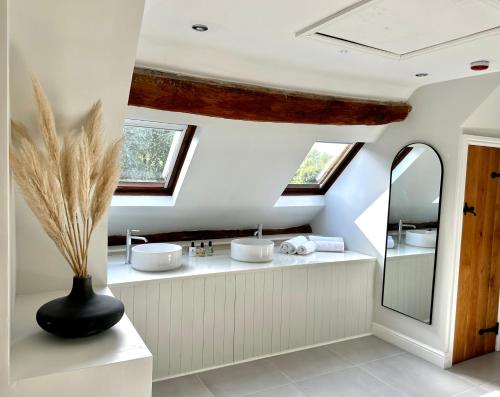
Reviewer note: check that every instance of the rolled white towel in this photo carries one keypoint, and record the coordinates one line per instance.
(306, 248)
(329, 246)
(290, 246)
(332, 244)
(325, 238)
(390, 242)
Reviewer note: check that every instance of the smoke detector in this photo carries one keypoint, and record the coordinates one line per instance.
(479, 65)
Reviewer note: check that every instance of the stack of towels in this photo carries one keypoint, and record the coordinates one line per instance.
(302, 245)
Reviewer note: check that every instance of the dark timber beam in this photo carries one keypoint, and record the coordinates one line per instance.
(206, 235)
(177, 93)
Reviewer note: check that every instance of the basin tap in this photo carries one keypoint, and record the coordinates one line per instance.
(131, 237)
(258, 232)
(401, 226)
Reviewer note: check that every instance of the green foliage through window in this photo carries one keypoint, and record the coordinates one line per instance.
(145, 151)
(318, 161)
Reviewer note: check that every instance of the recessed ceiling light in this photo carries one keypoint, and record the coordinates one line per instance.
(421, 74)
(200, 28)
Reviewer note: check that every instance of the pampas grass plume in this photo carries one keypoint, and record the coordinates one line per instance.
(68, 182)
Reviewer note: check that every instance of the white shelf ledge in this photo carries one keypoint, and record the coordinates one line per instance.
(35, 353)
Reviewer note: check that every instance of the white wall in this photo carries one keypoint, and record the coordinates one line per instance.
(237, 173)
(357, 204)
(80, 51)
(4, 202)
(486, 116)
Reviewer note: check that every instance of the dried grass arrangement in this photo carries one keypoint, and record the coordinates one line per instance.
(68, 184)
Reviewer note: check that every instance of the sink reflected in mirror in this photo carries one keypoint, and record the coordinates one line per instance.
(421, 238)
(252, 250)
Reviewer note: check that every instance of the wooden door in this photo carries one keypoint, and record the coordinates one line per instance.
(478, 284)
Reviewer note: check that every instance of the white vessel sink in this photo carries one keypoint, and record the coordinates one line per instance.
(156, 257)
(252, 250)
(421, 238)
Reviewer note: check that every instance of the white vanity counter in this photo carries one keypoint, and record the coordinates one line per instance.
(408, 250)
(221, 262)
(215, 310)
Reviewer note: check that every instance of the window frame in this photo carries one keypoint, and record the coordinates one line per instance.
(329, 177)
(159, 188)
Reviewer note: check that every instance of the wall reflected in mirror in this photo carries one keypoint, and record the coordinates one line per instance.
(412, 232)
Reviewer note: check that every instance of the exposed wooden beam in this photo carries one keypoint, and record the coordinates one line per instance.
(185, 94)
(191, 235)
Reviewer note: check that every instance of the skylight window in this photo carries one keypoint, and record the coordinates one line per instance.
(152, 156)
(321, 167)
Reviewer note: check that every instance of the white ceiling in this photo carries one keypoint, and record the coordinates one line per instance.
(406, 27)
(256, 41)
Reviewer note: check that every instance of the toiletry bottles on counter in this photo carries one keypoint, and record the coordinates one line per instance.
(201, 250)
(210, 249)
(192, 249)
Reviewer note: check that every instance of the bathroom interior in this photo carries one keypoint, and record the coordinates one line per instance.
(304, 199)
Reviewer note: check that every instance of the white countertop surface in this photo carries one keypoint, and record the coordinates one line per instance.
(35, 352)
(221, 262)
(407, 250)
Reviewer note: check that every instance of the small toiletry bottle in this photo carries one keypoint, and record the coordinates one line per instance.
(192, 249)
(210, 249)
(201, 250)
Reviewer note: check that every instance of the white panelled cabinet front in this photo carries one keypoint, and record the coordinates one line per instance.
(200, 322)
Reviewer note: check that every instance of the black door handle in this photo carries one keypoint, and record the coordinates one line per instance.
(469, 210)
(495, 174)
(493, 329)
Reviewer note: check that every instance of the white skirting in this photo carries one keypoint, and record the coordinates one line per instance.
(411, 345)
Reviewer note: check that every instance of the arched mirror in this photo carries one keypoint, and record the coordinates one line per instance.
(412, 232)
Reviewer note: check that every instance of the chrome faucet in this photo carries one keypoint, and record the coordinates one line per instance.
(401, 226)
(258, 232)
(131, 237)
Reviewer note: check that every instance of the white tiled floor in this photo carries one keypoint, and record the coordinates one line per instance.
(360, 367)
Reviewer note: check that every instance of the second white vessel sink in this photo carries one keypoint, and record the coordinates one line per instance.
(252, 250)
(421, 238)
(156, 257)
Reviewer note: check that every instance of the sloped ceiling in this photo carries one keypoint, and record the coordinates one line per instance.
(239, 169)
(236, 176)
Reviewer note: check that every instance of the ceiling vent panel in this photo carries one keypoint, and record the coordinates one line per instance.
(404, 28)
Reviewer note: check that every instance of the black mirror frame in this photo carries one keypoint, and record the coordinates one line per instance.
(437, 233)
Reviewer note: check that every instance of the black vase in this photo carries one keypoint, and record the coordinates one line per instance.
(81, 313)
